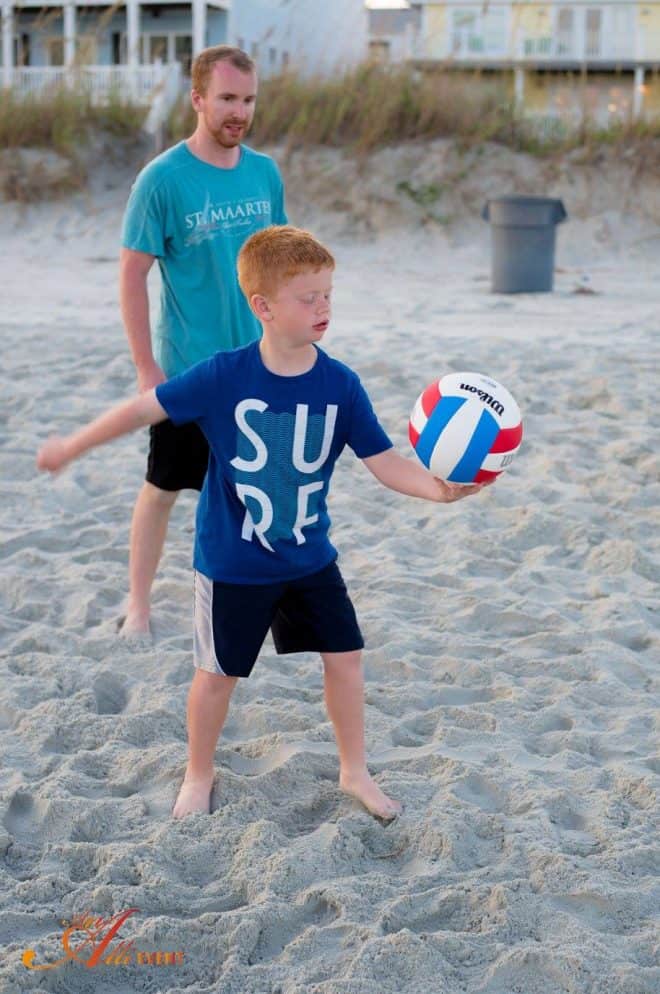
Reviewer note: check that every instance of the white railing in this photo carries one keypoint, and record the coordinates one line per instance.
(28, 80)
(593, 49)
(138, 84)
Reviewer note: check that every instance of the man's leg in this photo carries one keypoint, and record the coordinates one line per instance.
(208, 701)
(344, 697)
(148, 531)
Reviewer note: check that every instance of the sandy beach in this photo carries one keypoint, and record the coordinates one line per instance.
(512, 641)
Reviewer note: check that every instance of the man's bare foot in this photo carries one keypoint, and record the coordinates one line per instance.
(366, 790)
(135, 626)
(194, 797)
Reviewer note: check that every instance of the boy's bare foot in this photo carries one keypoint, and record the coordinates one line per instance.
(194, 797)
(366, 790)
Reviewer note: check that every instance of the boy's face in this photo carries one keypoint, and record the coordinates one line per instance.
(299, 312)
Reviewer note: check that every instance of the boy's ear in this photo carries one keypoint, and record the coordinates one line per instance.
(260, 307)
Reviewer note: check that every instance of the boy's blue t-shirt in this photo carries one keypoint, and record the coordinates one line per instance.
(194, 217)
(274, 440)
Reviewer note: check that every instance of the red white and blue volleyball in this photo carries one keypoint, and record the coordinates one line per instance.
(466, 428)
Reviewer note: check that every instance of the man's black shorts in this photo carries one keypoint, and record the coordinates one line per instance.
(178, 456)
(311, 614)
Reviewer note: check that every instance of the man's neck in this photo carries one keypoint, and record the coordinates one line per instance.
(208, 150)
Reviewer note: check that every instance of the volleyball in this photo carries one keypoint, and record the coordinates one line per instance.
(466, 428)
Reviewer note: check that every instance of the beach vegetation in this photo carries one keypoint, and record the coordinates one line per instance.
(367, 108)
(427, 197)
(377, 104)
(65, 121)
(63, 117)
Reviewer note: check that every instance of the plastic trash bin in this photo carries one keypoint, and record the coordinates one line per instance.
(523, 242)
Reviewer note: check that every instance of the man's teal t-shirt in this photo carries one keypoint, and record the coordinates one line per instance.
(194, 217)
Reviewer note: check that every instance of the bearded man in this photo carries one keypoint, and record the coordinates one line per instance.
(191, 208)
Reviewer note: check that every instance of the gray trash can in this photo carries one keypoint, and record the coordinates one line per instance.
(523, 242)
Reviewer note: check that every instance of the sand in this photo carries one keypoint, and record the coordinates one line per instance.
(511, 666)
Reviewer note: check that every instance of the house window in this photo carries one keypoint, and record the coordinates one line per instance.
(86, 50)
(592, 32)
(619, 28)
(480, 31)
(183, 52)
(565, 25)
(22, 52)
(379, 51)
(156, 49)
(166, 47)
(464, 28)
(117, 49)
(55, 51)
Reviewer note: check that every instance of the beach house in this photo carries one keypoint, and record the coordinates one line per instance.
(135, 46)
(563, 56)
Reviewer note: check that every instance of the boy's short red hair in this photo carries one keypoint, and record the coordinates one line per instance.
(275, 255)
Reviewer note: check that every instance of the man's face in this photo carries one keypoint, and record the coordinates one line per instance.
(227, 107)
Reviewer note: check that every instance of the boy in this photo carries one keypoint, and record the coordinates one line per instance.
(277, 413)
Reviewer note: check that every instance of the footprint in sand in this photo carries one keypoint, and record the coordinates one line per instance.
(109, 693)
(283, 929)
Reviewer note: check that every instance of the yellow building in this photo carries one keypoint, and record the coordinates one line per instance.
(611, 48)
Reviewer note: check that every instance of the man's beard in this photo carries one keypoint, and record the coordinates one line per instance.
(224, 138)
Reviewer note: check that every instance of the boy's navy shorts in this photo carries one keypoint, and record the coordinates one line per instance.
(178, 456)
(311, 614)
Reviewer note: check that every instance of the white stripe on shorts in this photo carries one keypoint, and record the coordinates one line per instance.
(204, 656)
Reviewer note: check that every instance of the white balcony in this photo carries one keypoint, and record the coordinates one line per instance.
(496, 35)
(138, 84)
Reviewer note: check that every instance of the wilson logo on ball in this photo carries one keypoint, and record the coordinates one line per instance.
(466, 428)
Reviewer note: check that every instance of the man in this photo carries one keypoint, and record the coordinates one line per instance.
(191, 208)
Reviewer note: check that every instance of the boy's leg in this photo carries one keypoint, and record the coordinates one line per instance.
(208, 701)
(344, 697)
(148, 531)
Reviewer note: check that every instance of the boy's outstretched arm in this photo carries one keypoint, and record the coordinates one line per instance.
(142, 410)
(408, 477)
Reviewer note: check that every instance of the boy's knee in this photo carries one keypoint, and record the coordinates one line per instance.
(159, 498)
(342, 660)
(214, 683)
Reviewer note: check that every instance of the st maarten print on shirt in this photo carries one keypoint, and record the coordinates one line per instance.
(278, 469)
(229, 217)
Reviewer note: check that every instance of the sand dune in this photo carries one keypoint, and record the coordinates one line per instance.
(511, 663)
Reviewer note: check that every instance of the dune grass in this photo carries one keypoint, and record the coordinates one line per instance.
(375, 105)
(371, 106)
(63, 118)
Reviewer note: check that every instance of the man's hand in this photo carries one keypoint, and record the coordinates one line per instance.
(53, 454)
(149, 376)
